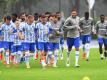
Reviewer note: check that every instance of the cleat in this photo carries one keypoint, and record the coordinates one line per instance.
(102, 58)
(28, 67)
(67, 65)
(87, 59)
(77, 65)
(105, 54)
(4, 62)
(54, 65)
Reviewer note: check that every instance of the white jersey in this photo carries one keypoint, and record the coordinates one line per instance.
(7, 32)
(22, 24)
(29, 33)
(17, 40)
(43, 31)
(1, 35)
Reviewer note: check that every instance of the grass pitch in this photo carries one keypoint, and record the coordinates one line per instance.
(94, 69)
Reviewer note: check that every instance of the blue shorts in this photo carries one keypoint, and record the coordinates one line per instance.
(16, 48)
(73, 42)
(32, 47)
(10, 45)
(53, 46)
(36, 44)
(86, 39)
(28, 46)
(102, 40)
(43, 46)
(7, 45)
(1, 44)
(62, 40)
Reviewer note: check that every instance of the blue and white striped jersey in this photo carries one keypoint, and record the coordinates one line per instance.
(7, 32)
(29, 33)
(17, 40)
(43, 31)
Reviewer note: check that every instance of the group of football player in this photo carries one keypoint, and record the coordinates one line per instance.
(41, 36)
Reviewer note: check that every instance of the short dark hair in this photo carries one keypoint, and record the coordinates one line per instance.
(47, 13)
(14, 14)
(8, 17)
(102, 15)
(86, 13)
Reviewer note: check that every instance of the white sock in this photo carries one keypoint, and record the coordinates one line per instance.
(19, 55)
(35, 53)
(1, 49)
(101, 55)
(15, 59)
(27, 58)
(49, 57)
(7, 58)
(87, 50)
(55, 57)
(76, 57)
(43, 63)
(68, 55)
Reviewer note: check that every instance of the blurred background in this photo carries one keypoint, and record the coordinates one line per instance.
(65, 6)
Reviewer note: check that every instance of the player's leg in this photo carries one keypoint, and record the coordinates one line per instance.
(61, 48)
(77, 45)
(1, 50)
(27, 56)
(69, 44)
(36, 51)
(105, 47)
(10, 57)
(56, 53)
(49, 56)
(83, 44)
(14, 53)
(1, 53)
(87, 46)
(22, 55)
(33, 49)
(7, 53)
(4, 47)
(19, 53)
(42, 54)
(100, 41)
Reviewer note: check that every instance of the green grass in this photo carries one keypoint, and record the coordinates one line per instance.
(95, 69)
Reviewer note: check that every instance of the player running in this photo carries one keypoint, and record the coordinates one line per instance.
(61, 21)
(54, 40)
(29, 40)
(16, 48)
(43, 38)
(101, 31)
(1, 43)
(86, 24)
(73, 39)
(7, 29)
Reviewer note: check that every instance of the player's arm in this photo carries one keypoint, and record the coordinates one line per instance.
(68, 25)
(81, 26)
(21, 35)
(106, 29)
(93, 26)
(51, 35)
(96, 28)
